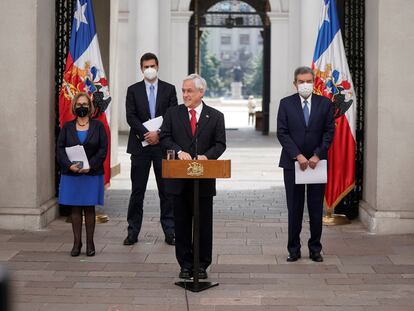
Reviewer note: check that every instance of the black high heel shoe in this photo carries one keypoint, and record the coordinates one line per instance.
(90, 250)
(76, 250)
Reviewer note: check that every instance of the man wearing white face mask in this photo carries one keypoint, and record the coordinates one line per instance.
(146, 100)
(305, 128)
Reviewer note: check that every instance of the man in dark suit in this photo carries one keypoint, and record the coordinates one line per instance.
(146, 100)
(195, 131)
(305, 128)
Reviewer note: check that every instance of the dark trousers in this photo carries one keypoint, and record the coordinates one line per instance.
(183, 215)
(140, 167)
(295, 197)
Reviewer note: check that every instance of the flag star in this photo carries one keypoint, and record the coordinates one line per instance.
(326, 11)
(80, 15)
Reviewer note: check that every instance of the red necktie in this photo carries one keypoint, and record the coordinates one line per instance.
(193, 121)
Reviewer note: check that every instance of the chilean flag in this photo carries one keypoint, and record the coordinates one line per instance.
(333, 80)
(84, 72)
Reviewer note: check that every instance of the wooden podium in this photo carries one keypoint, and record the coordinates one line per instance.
(196, 170)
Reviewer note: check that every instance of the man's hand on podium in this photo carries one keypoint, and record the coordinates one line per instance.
(184, 156)
(202, 157)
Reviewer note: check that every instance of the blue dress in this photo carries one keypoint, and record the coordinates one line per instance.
(81, 190)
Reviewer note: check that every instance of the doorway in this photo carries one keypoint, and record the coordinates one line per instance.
(230, 47)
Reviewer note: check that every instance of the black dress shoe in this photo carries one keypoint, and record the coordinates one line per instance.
(293, 257)
(130, 241)
(185, 274)
(76, 250)
(202, 274)
(170, 239)
(317, 257)
(90, 250)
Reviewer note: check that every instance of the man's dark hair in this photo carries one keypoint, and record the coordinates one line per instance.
(148, 56)
(302, 70)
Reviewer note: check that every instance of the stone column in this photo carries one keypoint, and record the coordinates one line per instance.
(127, 64)
(388, 198)
(310, 11)
(179, 49)
(147, 29)
(164, 55)
(113, 85)
(279, 75)
(294, 47)
(27, 121)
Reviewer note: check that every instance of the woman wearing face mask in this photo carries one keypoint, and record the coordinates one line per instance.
(82, 188)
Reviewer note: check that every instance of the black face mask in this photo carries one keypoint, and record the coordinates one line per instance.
(82, 111)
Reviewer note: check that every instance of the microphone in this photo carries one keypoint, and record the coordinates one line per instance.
(196, 141)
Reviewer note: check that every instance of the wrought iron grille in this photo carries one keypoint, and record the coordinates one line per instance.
(231, 20)
(353, 28)
(63, 19)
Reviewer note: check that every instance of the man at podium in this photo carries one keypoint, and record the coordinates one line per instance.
(194, 131)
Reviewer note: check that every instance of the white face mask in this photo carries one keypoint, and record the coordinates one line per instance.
(305, 89)
(150, 73)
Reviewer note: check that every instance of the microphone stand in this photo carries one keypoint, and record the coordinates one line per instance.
(196, 142)
(196, 286)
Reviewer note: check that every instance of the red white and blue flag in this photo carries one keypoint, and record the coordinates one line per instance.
(84, 72)
(333, 80)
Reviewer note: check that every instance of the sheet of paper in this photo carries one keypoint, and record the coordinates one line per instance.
(77, 153)
(318, 175)
(152, 125)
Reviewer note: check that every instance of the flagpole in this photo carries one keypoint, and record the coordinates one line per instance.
(331, 219)
(332, 78)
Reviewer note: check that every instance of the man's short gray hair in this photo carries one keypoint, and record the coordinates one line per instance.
(199, 82)
(304, 69)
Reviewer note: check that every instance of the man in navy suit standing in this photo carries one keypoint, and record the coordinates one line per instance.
(146, 100)
(305, 128)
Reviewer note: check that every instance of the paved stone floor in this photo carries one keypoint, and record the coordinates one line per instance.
(361, 272)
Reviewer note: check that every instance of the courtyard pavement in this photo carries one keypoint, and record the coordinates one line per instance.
(361, 271)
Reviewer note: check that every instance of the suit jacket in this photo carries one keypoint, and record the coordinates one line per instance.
(95, 145)
(137, 110)
(297, 138)
(210, 140)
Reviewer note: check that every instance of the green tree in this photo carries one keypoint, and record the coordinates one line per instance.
(253, 79)
(209, 68)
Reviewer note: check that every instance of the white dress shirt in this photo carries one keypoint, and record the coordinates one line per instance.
(198, 111)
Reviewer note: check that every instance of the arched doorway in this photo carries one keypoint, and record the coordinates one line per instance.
(204, 17)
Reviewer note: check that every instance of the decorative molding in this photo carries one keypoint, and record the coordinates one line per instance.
(181, 16)
(123, 16)
(386, 222)
(25, 218)
(278, 16)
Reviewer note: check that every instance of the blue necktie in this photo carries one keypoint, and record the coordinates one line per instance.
(151, 101)
(306, 112)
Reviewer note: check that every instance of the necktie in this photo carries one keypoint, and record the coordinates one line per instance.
(193, 121)
(151, 101)
(306, 112)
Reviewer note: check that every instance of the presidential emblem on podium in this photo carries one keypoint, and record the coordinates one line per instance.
(195, 169)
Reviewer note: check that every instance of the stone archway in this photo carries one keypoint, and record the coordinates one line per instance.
(200, 12)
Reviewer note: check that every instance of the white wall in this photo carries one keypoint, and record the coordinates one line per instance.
(388, 205)
(27, 119)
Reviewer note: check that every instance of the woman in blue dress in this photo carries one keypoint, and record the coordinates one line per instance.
(82, 188)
